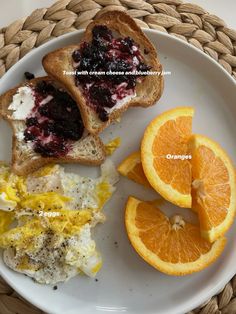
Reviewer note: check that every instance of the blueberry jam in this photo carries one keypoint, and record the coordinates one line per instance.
(29, 76)
(107, 54)
(54, 123)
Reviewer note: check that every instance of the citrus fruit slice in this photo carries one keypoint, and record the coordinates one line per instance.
(173, 246)
(131, 167)
(213, 187)
(165, 155)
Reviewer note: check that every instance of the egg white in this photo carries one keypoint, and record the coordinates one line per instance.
(56, 257)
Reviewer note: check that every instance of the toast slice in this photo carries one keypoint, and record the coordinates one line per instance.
(148, 90)
(89, 149)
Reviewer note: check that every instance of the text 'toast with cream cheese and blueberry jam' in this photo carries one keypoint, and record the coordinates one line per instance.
(108, 54)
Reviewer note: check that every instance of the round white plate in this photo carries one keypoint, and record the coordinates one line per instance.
(126, 283)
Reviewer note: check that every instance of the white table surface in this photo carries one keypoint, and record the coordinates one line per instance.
(11, 10)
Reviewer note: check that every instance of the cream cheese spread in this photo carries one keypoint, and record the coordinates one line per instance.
(22, 103)
(120, 102)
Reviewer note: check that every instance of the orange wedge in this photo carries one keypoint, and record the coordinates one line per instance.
(214, 190)
(167, 136)
(173, 246)
(131, 167)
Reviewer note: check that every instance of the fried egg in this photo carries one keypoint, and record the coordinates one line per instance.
(54, 212)
(111, 146)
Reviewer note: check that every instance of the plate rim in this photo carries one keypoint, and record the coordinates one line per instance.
(200, 298)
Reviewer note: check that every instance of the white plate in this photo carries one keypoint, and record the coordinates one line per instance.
(126, 283)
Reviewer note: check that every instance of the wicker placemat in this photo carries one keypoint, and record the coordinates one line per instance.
(188, 22)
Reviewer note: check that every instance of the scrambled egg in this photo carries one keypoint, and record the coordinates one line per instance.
(46, 220)
(5, 221)
(111, 146)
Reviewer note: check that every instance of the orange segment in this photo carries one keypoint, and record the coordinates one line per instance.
(165, 138)
(173, 245)
(131, 167)
(214, 191)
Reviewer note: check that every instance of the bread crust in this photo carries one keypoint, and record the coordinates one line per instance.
(22, 166)
(148, 91)
(32, 165)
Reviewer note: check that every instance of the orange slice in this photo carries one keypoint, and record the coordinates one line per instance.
(165, 138)
(214, 190)
(131, 167)
(173, 245)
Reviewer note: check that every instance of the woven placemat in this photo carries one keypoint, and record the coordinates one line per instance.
(188, 22)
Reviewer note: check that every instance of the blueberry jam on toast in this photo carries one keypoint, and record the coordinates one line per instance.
(54, 122)
(108, 55)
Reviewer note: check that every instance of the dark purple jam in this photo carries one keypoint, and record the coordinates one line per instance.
(29, 76)
(107, 54)
(54, 123)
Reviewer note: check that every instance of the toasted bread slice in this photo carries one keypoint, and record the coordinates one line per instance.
(147, 92)
(88, 150)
